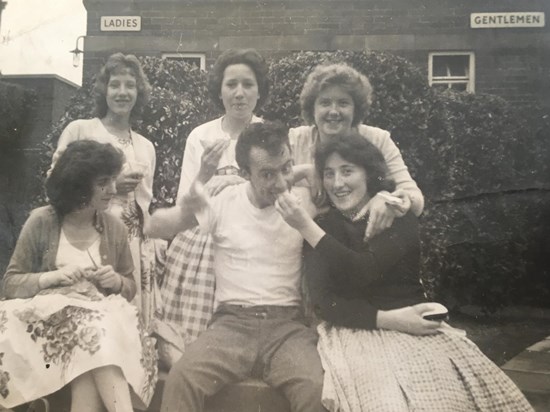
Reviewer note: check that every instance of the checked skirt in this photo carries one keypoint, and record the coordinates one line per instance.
(187, 290)
(382, 370)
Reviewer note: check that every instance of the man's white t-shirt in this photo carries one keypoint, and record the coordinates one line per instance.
(257, 255)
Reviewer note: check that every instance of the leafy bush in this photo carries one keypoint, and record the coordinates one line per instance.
(489, 251)
(483, 166)
(480, 144)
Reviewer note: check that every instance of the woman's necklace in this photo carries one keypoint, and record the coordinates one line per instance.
(122, 135)
(124, 141)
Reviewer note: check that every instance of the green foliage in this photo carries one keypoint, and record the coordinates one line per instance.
(16, 104)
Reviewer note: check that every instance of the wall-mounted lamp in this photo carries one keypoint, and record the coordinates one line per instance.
(76, 52)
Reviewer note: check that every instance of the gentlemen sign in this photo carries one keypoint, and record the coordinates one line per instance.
(120, 23)
(496, 20)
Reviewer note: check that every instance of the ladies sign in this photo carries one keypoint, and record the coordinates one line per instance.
(120, 23)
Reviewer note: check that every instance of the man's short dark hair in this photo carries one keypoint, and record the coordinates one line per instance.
(70, 185)
(270, 136)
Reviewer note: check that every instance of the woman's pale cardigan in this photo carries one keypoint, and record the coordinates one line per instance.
(36, 251)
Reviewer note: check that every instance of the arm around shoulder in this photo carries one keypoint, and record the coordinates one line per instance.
(397, 170)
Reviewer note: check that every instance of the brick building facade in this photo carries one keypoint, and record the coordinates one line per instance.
(439, 36)
(53, 93)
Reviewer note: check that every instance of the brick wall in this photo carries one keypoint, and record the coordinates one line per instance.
(510, 62)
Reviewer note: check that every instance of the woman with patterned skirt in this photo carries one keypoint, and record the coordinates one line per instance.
(67, 319)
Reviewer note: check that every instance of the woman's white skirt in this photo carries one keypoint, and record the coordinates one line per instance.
(387, 371)
(48, 340)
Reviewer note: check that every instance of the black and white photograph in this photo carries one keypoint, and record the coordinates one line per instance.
(274, 205)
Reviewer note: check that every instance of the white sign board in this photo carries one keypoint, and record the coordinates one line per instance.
(120, 23)
(508, 20)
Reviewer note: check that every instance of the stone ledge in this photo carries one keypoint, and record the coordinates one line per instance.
(530, 371)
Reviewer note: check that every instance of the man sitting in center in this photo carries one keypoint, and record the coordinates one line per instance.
(258, 326)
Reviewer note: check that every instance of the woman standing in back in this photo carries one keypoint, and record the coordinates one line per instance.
(120, 91)
(238, 85)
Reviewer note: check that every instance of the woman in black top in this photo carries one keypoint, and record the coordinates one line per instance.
(378, 350)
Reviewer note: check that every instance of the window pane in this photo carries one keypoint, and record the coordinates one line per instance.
(450, 65)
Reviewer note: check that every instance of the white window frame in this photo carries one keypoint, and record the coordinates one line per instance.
(179, 56)
(468, 80)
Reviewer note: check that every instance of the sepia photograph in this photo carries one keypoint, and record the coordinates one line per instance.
(274, 205)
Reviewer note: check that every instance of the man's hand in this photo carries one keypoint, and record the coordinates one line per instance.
(195, 199)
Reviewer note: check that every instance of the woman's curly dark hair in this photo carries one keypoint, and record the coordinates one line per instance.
(357, 85)
(70, 184)
(354, 148)
(116, 64)
(252, 59)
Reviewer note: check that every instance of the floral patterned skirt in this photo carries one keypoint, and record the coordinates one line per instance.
(144, 256)
(48, 340)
